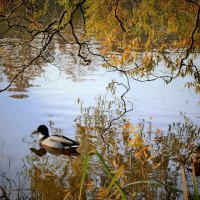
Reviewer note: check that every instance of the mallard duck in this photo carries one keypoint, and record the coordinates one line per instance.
(55, 141)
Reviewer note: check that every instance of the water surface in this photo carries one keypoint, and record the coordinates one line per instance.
(53, 98)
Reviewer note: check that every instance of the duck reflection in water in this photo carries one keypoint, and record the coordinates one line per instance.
(43, 150)
(55, 144)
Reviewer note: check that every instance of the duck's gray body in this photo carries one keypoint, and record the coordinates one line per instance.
(59, 142)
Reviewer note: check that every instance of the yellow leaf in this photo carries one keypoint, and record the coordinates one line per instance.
(114, 163)
(48, 174)
(68, 196)
(138, 154)
(158, 131)
(155, 165)
(146, 147)
(90, 185)
(127, 126)
(139, 142)
(145, 154)
(131, 142)
(101, 192)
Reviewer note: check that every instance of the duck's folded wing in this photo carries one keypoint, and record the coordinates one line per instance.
(64, 140)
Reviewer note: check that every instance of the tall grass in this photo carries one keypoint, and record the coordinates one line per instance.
(194, 180)
(184, 183)
(122, 193)
(113, 178)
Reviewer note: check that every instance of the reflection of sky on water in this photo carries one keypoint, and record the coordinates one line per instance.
(58, 94)
(165, 102)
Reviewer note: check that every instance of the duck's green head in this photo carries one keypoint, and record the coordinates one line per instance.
(43, 130)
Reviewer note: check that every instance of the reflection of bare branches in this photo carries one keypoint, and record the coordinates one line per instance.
(189, 49)
(7, 184)
(14, 9)
(10, 189)
(4, 157)
(124, 104)
(117, 17)
(86, 61)
(54, 27)
(48, 33)
(21, 71)
(127, 88)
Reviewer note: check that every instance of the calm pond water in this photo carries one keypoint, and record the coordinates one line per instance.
(67, 99)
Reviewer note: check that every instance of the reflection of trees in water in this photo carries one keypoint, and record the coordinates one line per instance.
(105, 118)
(20, 59)
(133, 37)
(24, 56)
(166, 151)
(53, 176)
(49, 175)
(170, 149)
(28, 30)
(10, 188)
(32, 60)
